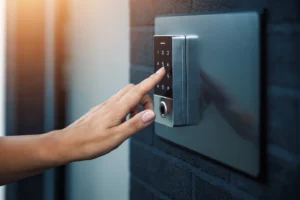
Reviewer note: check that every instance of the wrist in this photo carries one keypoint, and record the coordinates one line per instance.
(56, 148)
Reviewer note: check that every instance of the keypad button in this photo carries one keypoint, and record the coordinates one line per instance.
(168, 64)
(157, 86)
(168, 76)
(168, 53)
(162, 64)
(162, 52)
(157, 64)
(163, 87)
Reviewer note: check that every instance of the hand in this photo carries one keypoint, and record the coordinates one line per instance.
(104, 127)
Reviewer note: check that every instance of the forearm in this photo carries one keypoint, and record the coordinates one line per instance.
(23, 156)
(98, 132)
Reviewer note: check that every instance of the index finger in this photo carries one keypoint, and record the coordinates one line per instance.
(135, 95)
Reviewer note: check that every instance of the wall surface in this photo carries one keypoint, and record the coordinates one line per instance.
(98, 66)
(161, 170)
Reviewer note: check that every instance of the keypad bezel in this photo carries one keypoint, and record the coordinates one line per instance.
(163, 58)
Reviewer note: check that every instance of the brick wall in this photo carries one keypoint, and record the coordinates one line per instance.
(160, 170)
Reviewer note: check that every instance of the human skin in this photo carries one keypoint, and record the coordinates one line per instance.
(97, 133)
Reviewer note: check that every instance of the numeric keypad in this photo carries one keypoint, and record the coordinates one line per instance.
(163, 58)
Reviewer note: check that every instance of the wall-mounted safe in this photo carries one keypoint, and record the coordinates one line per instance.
(210, 99)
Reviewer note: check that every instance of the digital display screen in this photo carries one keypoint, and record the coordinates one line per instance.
(163, 58)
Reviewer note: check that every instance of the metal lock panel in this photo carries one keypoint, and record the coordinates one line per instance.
(223, 81)
(175, 98)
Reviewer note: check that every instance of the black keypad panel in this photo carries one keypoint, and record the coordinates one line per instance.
(163, 58)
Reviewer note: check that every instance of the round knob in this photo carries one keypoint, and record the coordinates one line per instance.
(163, 109)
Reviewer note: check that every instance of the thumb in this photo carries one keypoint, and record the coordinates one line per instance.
(137, 123)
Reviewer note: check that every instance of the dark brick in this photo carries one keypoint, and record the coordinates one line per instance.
(163, 7)
(193, 159)
(144, 12)
(166, 176)
(142, 46)
(283, 10)
(145, 136)
(298, 121)
(278, 162)
(138, 191)
(282, 120)
(225, 5)
(213, 191)
(276, 170)
(141, 12)
(139, 73)
(277, 10)
(277, 166)
(206, 6)
(159, 198)
(290, 187)
(278, 174)
(248, 185)
(283, 55)
(141, 190)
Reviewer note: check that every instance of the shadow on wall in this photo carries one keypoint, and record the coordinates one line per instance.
(242, 121)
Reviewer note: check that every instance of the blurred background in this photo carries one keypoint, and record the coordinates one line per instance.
(63, 57)
(2, 76)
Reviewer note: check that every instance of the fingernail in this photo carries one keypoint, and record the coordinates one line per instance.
(160, 70)
(148, 116)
